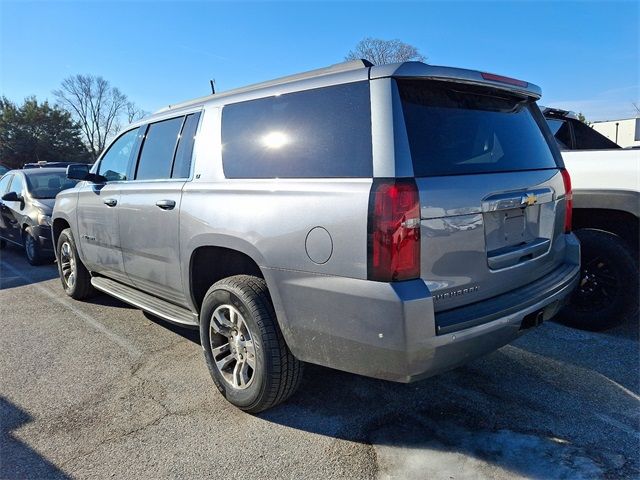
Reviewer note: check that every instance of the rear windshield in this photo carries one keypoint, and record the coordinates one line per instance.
(459, 129)
(48, 184)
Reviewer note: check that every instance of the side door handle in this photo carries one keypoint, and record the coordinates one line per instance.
(110, 202)
(166, 204)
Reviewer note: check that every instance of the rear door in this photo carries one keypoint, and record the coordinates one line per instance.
(150, 208)
(491, 191)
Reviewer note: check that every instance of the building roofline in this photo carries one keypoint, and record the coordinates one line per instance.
(616, 120)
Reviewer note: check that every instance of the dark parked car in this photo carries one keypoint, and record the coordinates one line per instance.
(27, 198)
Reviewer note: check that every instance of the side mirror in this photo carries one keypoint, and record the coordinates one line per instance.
(11, 197)
(80, 171)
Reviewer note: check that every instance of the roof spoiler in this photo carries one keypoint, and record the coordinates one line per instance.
(458, 75)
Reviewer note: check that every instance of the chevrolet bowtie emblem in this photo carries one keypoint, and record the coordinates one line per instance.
(529, 199)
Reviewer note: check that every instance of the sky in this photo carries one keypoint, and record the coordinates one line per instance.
(584, 55)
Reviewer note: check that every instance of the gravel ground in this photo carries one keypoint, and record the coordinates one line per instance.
(99, 390)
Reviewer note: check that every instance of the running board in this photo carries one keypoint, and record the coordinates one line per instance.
(148, 303)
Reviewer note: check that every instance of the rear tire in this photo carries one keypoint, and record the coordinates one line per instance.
(245, 351)
(608, 290)
(75, 278)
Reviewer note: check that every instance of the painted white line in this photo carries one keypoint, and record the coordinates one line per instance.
(615, 423)
(633, 395)
(123, 342)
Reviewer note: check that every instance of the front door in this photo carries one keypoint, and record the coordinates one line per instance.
(98, 209)
(13, 210)
(6, 218)
(98, 229)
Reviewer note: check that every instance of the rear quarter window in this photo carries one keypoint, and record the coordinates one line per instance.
(460, 129)
(320, 133)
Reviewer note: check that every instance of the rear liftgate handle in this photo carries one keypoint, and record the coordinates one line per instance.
(166, 204)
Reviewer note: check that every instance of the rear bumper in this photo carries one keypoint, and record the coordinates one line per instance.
(450, 350)
(389, 330)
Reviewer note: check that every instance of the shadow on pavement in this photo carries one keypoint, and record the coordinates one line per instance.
(15, 271)
(525, 409)
(629, 329)
(18, 460)
(191, 334)
(104, 300)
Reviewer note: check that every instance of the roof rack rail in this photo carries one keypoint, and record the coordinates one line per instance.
(336, 68)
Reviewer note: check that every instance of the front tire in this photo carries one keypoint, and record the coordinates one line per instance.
(75, 278)
(608, 290)
(245, 351)
(32, 248)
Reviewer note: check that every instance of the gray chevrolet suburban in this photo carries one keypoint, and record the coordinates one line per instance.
(393, 221)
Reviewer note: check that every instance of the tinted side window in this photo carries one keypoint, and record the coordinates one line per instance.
(4, 184)
(158, 149)
(115, 162)
(324, 132)
(182, 163)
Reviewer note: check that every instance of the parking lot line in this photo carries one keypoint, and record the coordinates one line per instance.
(123, 342)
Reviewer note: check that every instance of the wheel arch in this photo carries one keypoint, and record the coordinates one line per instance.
(211, 263)
(619, 222)
(58, 225)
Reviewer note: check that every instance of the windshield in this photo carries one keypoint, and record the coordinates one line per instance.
(48, 184)
(458, 129)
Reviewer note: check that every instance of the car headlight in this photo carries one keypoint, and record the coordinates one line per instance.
(44, 219)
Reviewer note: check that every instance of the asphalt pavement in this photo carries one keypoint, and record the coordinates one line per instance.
(98, 389)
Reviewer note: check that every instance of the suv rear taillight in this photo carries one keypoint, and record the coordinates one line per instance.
(394, 230)
(568, 192)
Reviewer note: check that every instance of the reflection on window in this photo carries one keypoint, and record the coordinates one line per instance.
(115, 162)
(275, 140)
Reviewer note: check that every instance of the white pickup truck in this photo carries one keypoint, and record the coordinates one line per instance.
(606, 209)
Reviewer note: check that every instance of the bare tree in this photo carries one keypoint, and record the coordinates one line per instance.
(381, 52)
(134, 112)
(96, 105)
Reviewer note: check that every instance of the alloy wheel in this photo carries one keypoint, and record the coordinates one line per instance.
(68, 265)
(232, 347)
